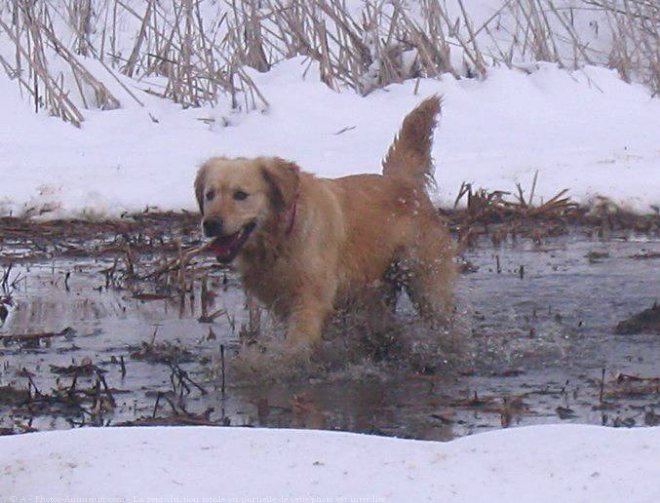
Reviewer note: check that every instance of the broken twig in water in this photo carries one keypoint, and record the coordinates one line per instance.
(180, 262)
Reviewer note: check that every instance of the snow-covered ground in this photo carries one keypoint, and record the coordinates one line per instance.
(587, 131)
(565, 463)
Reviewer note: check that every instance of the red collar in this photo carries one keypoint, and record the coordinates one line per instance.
(289, 215)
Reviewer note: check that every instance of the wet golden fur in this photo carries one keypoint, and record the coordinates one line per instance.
(321, 243)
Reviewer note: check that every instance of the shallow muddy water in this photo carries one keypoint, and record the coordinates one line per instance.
(538, 324)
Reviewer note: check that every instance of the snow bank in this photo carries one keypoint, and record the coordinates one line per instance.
(541, 463)
(587, 131)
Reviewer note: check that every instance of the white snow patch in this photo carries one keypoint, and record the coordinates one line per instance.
(564, 463)
(587, 131)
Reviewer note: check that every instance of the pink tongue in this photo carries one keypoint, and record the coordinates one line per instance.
(218, 248)
(222, 246)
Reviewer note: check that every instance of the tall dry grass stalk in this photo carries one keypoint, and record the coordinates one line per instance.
(196, 51)
(37, 45)
(635, 27)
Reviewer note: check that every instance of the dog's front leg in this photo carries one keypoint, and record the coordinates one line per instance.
(306, 321)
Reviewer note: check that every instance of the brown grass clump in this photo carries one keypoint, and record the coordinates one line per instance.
(497, 214)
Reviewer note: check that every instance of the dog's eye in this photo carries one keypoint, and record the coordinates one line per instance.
(210, 194)
(239, 195)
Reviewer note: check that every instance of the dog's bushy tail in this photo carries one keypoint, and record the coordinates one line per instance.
(409, 155)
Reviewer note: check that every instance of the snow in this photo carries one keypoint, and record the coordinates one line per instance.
(565, 463)
(586, 130)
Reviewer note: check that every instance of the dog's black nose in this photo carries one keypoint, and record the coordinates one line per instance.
(212, 227)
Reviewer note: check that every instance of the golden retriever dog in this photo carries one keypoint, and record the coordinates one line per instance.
(305, 246)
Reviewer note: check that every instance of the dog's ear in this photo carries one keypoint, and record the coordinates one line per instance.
(283, 180)
(200, 182)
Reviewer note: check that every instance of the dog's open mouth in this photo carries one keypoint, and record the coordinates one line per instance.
(226, 248)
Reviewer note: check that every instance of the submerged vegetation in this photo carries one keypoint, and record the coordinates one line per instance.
(110, 323)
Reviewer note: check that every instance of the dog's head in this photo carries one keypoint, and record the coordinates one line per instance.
(238, 197)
